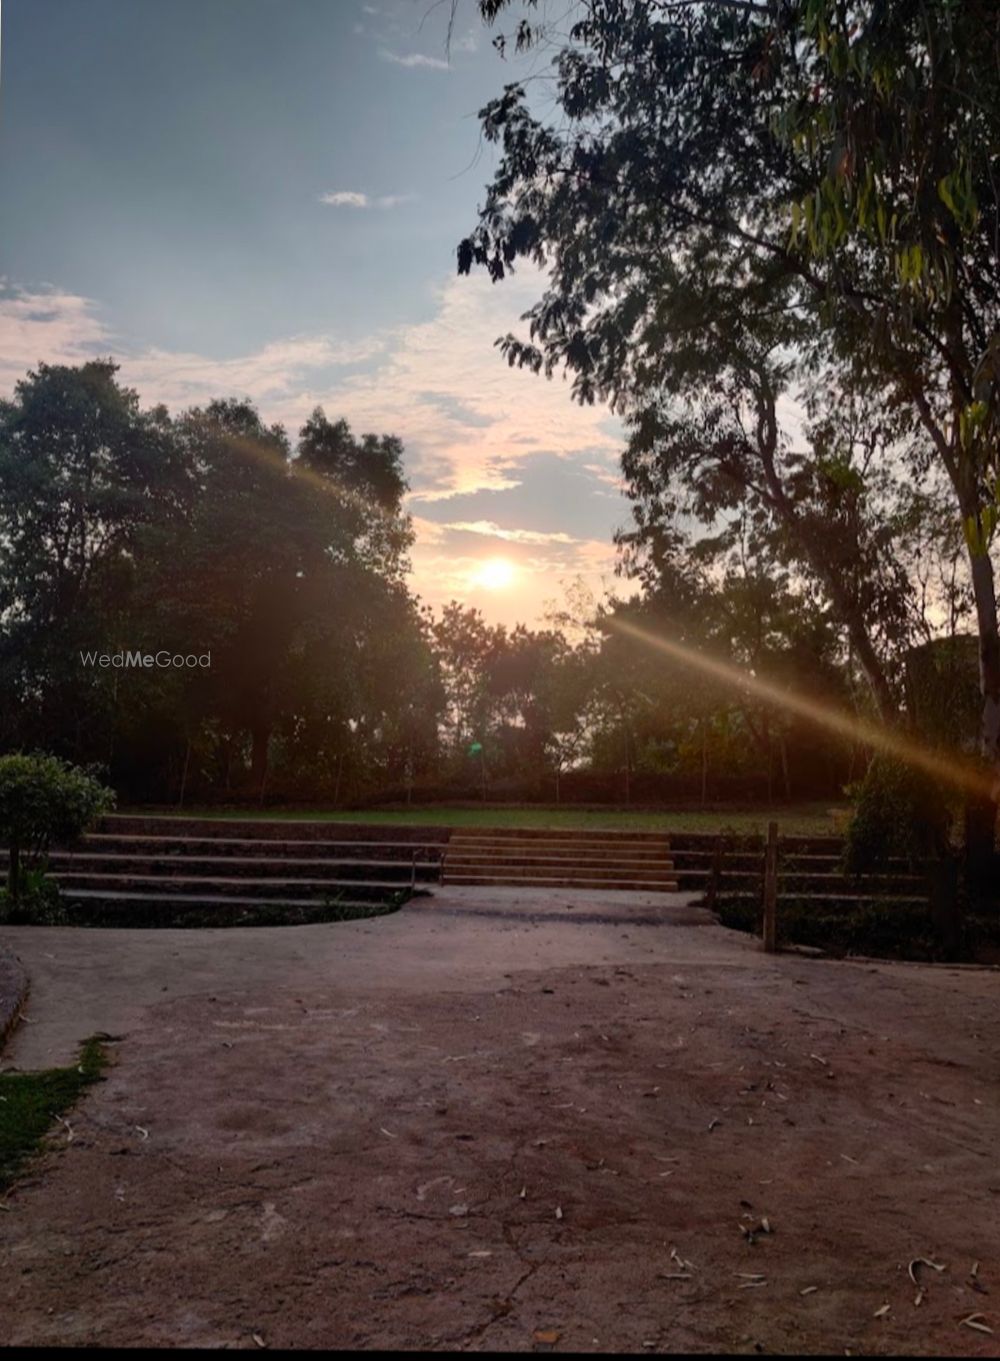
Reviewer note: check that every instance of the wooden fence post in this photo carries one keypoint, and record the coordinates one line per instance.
(771, 889)
(714, 874)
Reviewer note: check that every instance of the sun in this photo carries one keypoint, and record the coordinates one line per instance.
(494, 574)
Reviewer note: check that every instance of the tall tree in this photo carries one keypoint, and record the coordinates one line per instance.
(831, 163)
(84, 475)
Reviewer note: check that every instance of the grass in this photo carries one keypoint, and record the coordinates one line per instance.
(804, 819)
(30, 1103)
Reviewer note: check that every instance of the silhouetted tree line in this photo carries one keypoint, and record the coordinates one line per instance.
(128, 531)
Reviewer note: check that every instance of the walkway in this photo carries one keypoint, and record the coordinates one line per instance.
(509, 1121)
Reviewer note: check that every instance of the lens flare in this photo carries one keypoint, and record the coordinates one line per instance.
(953, 768)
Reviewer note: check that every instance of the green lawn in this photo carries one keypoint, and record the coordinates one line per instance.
(31, 1103)
(806, 819)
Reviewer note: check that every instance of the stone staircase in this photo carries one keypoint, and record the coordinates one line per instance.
(198, 864)
(542, 858)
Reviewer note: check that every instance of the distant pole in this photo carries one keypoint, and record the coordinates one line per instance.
(771, 889)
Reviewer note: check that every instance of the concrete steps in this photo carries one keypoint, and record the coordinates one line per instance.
(318, 890)
(186, 864)
(266, 847)
(559, 858)
(66, 865)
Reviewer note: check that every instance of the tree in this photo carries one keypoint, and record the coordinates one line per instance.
(827, 163)
(43, 799)
(84, 473)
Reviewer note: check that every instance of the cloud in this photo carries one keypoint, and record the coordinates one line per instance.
(498, 459)
(345, 198)
(469, 422)
(46, 324)
(413, 60)
(276, 373)
(56, 327)
(352, 198)
(493, 531)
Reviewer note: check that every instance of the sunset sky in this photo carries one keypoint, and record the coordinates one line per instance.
(262, 198)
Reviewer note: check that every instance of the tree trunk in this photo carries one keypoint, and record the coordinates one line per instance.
(260, 739)
(14, 873)
(844, 607)
(786, 780)
(184, 773)
(981, 810)
(704, 763)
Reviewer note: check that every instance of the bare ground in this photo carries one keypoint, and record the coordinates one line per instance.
(491, 1120)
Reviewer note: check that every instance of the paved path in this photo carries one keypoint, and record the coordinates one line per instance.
(498, 1114)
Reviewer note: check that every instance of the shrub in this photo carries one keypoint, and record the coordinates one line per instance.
(899, 813)
(43, 799)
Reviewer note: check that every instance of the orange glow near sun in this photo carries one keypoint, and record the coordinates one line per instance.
(494, 574)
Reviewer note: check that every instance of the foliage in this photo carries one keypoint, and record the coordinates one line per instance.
(899, 813)
(44, 799)
(171, 916)
(730, 198)
(38, 902)
(890, 930)
(122, 529)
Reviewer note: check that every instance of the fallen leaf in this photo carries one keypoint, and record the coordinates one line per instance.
(559, 1213)
(974, 1321)
(259, 1340)
(548, 1336)
(880, 1313)
(923, 1261)
(809, 1290)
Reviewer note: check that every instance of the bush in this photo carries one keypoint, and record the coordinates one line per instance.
(37, 902)
(42, 800)
(899, 813)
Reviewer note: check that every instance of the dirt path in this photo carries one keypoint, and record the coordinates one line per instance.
(489, 1117)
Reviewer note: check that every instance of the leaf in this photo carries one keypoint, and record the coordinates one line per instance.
(548, 1336)
(975, 1321)
(259, 1340)
(923, 1261)
(881, 1313)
